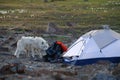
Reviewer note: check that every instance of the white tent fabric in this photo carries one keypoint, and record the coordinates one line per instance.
(113, 50)
(95, 44)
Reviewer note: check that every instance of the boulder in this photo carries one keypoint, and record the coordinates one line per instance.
(12, 68)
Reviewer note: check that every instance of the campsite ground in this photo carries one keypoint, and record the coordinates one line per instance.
(71, 19)
(24, 68)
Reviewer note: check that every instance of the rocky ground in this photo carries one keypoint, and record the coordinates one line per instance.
(24, 68)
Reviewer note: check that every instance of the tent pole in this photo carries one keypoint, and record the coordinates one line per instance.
(73, 63)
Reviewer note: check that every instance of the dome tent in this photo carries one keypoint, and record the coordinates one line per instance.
(93, 46)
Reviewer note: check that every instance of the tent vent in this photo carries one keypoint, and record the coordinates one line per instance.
(106, 27)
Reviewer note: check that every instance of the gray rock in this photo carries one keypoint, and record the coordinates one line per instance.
(50, 29)
(11, 68)
(14, 61)
(103, 76)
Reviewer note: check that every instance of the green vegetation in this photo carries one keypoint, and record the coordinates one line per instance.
(35, 13)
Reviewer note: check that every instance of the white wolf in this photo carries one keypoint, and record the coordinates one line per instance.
(31, 45)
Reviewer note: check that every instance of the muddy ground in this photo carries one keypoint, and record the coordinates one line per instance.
(26, 68)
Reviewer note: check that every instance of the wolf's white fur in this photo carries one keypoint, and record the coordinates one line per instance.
(31, 45)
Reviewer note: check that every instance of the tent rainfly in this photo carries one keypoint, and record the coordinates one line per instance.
(93, 46)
